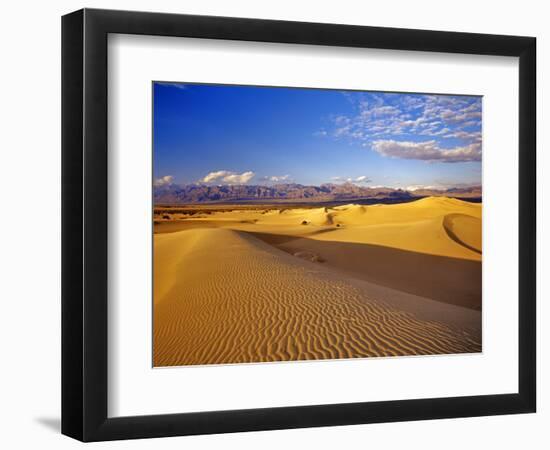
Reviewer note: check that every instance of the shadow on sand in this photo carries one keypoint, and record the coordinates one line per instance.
(449, 280)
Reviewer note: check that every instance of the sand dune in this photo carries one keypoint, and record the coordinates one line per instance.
(419, 226)
(223, 296)
(279, 284)
(416, 226)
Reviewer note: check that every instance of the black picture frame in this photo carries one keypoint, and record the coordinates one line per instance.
(84, 224)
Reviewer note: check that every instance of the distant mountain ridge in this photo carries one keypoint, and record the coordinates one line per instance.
(293, 192)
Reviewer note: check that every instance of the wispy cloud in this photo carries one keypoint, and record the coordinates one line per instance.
(441, 186)
(416, 187)
(228, 177)
(181, 86)
(427, 151)
(363, 179)
(470, 135)
(404, 121)
(163, 181)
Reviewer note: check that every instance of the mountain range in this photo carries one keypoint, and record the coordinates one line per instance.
(298, 193)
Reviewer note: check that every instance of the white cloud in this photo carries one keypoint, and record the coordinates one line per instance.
(229, 177)
(163, 181)
(427, 151)
(236, 178)
(433, 132)
(474, 135)
(277, 178)
(441, 185)
(360, 179)
(213, 176)
(368, 112)
(417, 187)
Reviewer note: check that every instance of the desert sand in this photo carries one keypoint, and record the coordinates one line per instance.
(236, 284)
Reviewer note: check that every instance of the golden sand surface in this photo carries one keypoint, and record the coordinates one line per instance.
(234, 285)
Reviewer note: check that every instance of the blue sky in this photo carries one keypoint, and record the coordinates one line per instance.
(217, 134)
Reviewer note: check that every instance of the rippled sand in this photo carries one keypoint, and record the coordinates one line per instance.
(252, 286)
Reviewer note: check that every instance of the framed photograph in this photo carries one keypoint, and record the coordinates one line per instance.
(273, 224)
